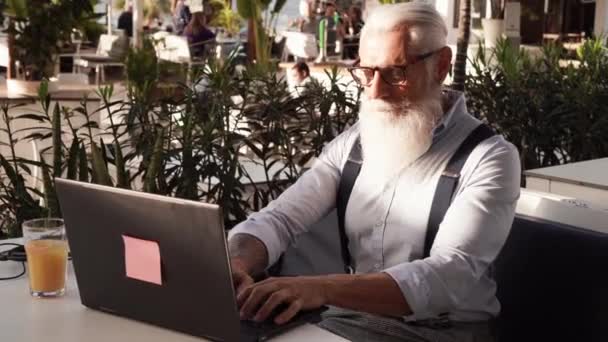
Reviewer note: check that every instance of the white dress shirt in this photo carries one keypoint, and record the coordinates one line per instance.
(386, 221)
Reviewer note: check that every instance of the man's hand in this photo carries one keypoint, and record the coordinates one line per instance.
(240, 278)
(259, 300)
(248, 257)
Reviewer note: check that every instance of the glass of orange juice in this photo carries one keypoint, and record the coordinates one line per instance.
(47, 253)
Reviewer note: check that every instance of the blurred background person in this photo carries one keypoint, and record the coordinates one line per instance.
(353, 24)
(300, 73)
(308, 23)
(125, 20)
(198, 34)
(299, 76)
(181, 16)
(330, 32)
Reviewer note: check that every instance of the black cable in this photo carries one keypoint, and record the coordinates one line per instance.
(18, 275)
(4, 256)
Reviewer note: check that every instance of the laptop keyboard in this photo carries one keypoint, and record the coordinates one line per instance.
(269, 322)
(267, 329)
(253, 325)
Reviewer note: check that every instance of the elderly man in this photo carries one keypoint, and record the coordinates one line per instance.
(409, 129)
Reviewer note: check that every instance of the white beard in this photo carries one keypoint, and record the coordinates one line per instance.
(394, 135)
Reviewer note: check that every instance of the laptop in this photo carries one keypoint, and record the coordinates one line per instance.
(158, 260)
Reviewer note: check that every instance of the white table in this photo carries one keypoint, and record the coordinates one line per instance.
(587, 180)
(97, 62)
(26, 319)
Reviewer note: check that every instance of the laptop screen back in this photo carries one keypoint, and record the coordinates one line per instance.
(113, 234)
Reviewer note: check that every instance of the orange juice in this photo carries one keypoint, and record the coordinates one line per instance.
(47, 261)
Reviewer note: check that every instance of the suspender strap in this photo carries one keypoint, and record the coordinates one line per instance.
(448, 181)
(350, 172)
(441, 200)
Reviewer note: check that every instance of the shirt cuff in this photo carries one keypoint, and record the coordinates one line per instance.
(415, 288)
(264, 233)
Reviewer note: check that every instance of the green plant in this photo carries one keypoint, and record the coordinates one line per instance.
(239, 141)
(38, 39)
(17, 203)
(262, 25)
(18, 200)
(554, 114)
(225, 17)
(141, 70)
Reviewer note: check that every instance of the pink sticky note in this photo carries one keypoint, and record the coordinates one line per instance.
(142, 259)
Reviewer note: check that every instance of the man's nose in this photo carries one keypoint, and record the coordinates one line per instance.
(378, 88)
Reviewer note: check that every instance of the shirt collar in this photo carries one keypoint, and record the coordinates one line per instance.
(454, 100)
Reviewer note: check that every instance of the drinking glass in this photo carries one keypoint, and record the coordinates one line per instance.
(46, 249)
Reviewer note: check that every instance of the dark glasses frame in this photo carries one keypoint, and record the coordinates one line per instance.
(414, 60)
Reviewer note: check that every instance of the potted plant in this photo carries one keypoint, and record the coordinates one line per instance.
(38, 29)
(494, 27)
(225, 17)
(261, 27)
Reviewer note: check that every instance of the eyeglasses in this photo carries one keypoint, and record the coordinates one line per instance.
(395, 75)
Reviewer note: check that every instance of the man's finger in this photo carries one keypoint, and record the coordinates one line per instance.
(257, 296)
(271, 303)
(245, 289)
(244, 293)
(245, 282)
(289, 313)
(238, 277)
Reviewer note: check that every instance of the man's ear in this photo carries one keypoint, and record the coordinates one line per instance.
(444, 63)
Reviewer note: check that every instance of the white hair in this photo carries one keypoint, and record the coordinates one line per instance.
(426, 28)
(394, 135)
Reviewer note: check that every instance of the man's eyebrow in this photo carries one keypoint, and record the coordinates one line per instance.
(383, 67)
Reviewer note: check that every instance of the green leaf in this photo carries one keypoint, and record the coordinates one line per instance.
(73, 159)
(36, 117)
(122, 178)
(254, 148)
(100, 171)
(17, 7)
(37, 136)
(104, 154)
(50, 196)
(83, 167)
(13, 176)
(43, 91)
(246, 8)
(57, 143)
(263, 4)
(305, 159)
(155, 163)
(23, 165)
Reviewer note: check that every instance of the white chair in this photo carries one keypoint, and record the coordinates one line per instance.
(302, 45)
(110, 50)
(173, 48)
(77, 42)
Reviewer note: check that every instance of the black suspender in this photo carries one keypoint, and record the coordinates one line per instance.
(448, 181)
(350, 172)
(441, 200)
